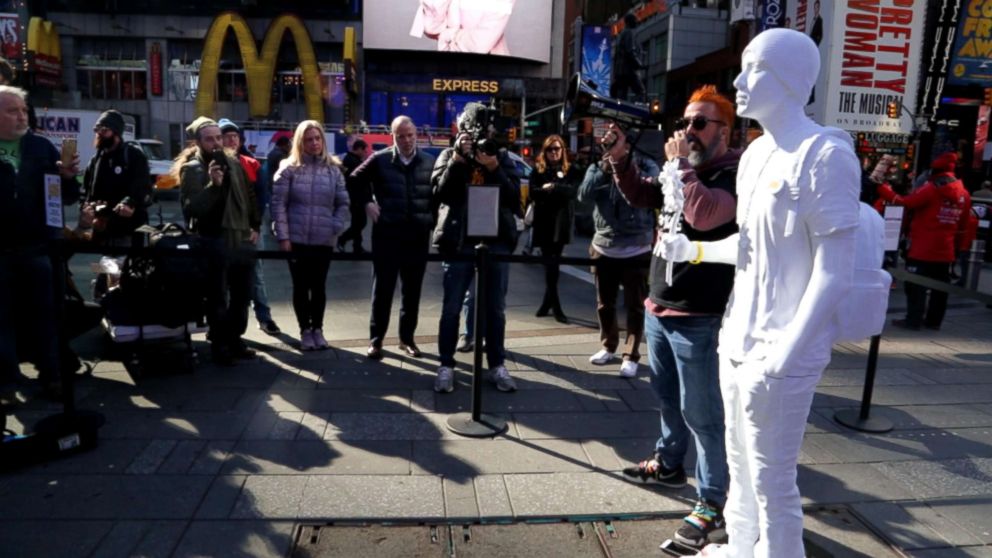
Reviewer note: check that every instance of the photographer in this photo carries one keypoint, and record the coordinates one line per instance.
(473, 160)
(117, 184)
(221, 209)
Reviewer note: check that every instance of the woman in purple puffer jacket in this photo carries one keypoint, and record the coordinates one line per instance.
(310, 209)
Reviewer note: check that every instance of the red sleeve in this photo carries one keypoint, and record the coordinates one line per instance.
(705, 208)
(639, 191)
(923, 196)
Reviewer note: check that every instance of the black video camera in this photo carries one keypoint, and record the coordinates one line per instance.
(479, 121)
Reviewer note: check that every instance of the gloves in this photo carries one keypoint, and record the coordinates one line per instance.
(676, 248)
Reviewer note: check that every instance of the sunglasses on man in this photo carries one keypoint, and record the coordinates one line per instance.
(697, 122)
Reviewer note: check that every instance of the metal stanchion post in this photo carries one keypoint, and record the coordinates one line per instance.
(976, 257)
(859, 420)
(477, 424)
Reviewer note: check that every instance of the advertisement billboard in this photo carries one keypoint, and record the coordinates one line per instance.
(972, 60)
(10, 41)
(741, 10)
(501, 27)
(870, 55)
(597, 61)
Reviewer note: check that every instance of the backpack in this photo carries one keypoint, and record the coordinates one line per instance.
(861, 313)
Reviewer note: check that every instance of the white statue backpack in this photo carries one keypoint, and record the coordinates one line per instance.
(861, 314)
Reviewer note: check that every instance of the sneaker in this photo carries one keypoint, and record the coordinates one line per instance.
(651, 471)
(697, 526)
(445, 381)
(501, 377)
(465, 344)
(602, 357)
(270, 327)
(317, 336)
(306, 340)
(628, 369)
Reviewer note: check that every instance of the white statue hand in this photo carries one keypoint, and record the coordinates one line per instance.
(676, 248)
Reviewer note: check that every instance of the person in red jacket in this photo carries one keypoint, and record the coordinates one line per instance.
(940, 218)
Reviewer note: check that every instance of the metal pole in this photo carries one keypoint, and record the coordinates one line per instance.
(477, 424)
(976, 257)
(860, 420)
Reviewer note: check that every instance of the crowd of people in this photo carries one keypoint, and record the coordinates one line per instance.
(737, 338)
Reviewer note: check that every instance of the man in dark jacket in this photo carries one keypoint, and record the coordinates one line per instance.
(356, 155)
(117, 183)
(682, 320)
(31, 273)
(394, 189)
(628, 63)
(221, 208)
(458, 169)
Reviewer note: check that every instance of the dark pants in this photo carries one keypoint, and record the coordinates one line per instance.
(29, 314)
(632, 273)
(458, 277)
(308, 268)
(551, 275)
(228, 293)
(354, 233)
(916, 296)
(625, 83)
(397, 256)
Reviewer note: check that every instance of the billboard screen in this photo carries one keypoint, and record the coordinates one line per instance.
(869, 55)
(597, 63)
(501, 27)
(973, 48)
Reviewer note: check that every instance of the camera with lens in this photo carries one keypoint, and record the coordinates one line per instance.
(479, 121)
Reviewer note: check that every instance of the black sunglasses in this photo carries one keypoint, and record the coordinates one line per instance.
(554, 148)
(698, 123)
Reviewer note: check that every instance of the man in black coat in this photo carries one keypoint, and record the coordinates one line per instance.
(394, 187)
(356, 155)
(117, 183)
(31, 268)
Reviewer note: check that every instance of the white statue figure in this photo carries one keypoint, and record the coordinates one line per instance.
(797, 210)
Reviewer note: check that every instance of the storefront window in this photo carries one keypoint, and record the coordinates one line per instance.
(421, 107)
(111, 84)
(453, 104)
(378, 108)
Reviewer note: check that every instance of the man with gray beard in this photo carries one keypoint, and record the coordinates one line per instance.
(682, 319)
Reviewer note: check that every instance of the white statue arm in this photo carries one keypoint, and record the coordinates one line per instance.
(678, 248)
(831, 278)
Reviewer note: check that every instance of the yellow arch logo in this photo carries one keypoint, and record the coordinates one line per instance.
(259, 70)
(43, 38)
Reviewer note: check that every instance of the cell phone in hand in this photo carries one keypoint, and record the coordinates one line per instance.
(68, 151)
(218, 156)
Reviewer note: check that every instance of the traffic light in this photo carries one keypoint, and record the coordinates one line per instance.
(512, 134)
(892, 109)
(526, 151)
(907, 162)
(655, 107)
(988, 96)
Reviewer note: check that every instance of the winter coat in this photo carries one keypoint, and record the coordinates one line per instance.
(228, 211)
(22, 196)
(618, 225)
(114, 175)
(403, 192)
(941, 210)
(310, 203)
(554, 210)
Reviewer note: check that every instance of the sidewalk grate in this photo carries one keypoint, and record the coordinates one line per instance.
(830, 532)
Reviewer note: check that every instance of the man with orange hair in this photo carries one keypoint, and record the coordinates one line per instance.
(682, 319)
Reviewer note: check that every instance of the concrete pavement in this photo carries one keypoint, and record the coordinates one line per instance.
(251, 460)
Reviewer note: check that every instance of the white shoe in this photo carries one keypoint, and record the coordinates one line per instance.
(445, 381)
(501, 377)
(628, 369)
(306, 340)
(602, 357)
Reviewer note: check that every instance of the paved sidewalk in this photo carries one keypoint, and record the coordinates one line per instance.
(230, 461)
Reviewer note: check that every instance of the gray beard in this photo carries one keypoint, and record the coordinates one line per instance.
(699, 158)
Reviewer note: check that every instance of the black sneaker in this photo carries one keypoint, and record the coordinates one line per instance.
(651, 471)
(465, 345)
(270, 327)
(696, 527)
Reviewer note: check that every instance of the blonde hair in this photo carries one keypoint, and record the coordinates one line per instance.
(541, 164)
(295, 158)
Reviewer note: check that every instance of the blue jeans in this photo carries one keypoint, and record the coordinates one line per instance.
(468, 313)
(457, 278)
(259, 294)
(685, 375)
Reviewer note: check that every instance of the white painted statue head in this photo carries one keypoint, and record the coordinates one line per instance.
(778, 67)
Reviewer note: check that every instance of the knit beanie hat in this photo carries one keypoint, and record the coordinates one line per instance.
(227, 126)
(945, 162)
(198, 124)
(113, 120)
(792, 56)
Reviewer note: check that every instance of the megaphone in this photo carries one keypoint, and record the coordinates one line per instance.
(582, 101)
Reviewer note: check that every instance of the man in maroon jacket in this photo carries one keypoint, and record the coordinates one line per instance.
(940, 219)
